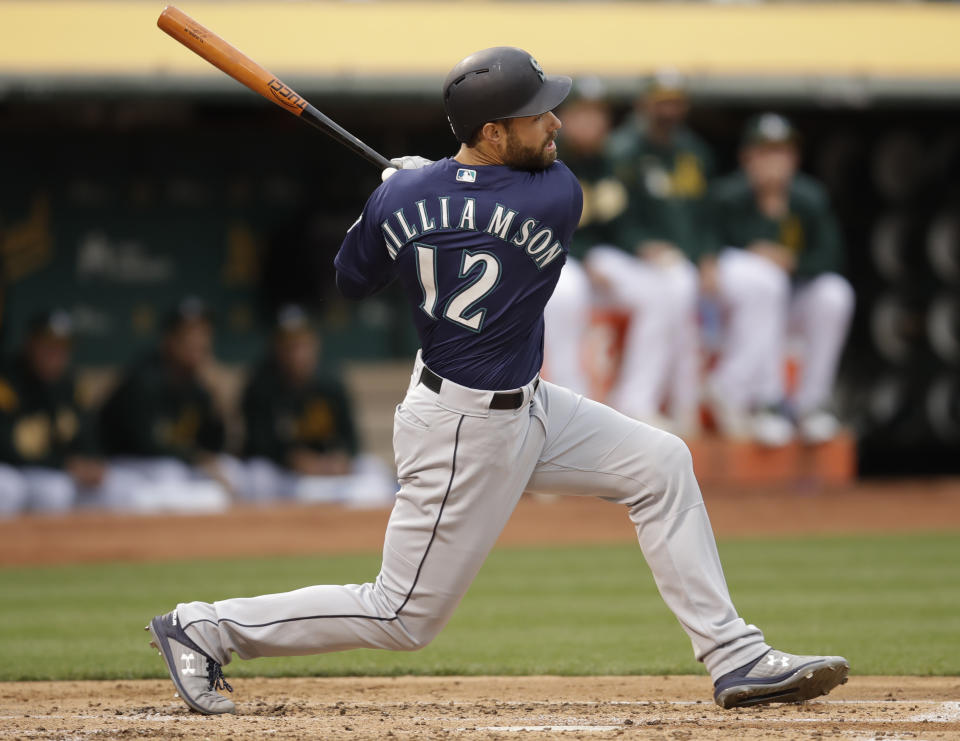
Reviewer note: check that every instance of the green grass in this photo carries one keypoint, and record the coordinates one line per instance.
(890, 604)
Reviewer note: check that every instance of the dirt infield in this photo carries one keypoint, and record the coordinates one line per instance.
(888, 507)
(664, 708)
(479, 708)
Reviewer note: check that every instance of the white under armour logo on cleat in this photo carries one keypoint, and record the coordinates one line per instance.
(772, 661)
(188, 667)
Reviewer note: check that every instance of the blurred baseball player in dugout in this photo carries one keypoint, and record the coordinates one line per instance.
(50, 458)
(643, 263)
(301, 441)
(161, 423)
(586, 124)
(773, 263)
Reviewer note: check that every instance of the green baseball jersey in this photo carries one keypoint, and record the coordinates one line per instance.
(41, 424)
(808, 229)
(604, 199)
(667, 187)
(156, 413)
(281, 417)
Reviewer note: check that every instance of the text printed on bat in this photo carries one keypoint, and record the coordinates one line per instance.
(285, 95)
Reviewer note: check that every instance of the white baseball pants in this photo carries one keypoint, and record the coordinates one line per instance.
(14, 492)
(762, 308)
(462, 469)
(661, 350)
(53, 490)
(371, 483)
(164, 484)
(566, 320)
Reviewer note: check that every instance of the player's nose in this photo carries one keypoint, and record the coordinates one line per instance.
(553, 122)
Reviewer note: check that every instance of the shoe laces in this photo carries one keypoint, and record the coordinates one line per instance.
(216, 678)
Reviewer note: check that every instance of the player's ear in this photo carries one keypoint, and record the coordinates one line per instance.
(493, 132)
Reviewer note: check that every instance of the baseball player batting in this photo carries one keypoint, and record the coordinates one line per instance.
(478, 241)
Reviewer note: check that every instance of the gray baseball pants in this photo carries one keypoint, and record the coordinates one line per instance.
(462, 468)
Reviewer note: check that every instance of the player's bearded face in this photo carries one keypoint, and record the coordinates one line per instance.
(530, 142)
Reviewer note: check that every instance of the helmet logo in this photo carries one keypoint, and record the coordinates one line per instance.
(537, 68)
(773, 127)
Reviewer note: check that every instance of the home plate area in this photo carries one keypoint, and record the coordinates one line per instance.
(478, 708)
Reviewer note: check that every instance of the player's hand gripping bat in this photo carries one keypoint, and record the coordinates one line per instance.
(224, 56)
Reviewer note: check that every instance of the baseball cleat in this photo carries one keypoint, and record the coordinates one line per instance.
(195, 675)
(771, 427)
(818, 426)
(780, 677)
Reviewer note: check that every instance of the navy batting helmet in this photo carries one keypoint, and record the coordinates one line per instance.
(500, 82)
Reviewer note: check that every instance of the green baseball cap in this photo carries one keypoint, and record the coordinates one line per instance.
(589, 89)
(190, 309)
(769, 128)
(56, 323)
(293, 319)
(665, 84)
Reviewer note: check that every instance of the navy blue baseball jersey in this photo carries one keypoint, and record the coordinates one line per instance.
(479, 250)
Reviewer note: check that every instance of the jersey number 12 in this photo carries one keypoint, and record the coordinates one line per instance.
(483, 271)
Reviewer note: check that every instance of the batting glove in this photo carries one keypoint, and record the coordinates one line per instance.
(407, 162)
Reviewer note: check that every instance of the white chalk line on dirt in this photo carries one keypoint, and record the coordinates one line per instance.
(663, 722)
(88, 716)
(624, 703)
(550, 729)
(945, 713)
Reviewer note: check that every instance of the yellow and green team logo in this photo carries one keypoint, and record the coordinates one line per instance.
(181, 431)
(8, 397)
(791, 233)
(686, 180)
(316, 423)
(32, 437)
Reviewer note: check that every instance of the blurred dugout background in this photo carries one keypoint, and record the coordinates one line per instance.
(134, 173)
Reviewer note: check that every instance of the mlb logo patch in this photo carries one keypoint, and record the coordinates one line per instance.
(466, 176)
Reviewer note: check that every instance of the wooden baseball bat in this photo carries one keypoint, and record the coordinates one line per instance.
(227, 58)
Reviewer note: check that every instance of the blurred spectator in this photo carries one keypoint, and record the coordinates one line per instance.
(48, 448)
(582, 143)
(301, 438)
(161, 422)
(777, 269)
(665, 168)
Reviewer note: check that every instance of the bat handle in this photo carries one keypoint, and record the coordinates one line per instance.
(330, 127)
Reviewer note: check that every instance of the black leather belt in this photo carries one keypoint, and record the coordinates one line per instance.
(500, 400)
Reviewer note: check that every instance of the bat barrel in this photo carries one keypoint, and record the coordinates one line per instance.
(227, 58)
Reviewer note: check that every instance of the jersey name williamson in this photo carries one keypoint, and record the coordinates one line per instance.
(440, 214)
